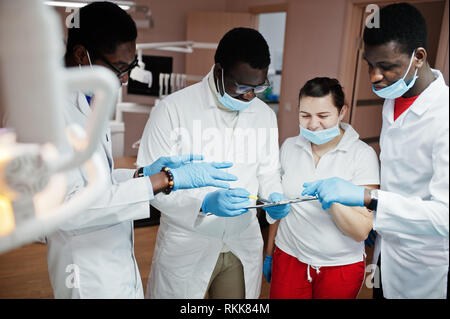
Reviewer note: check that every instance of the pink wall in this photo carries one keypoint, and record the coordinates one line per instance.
(245, 5)
(314, 30)
(313, 41)
(170, 19)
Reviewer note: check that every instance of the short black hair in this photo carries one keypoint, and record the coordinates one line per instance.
(102, 27)
(402, 23)
(322, 86)
(242, 45)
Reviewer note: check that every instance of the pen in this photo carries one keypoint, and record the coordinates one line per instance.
(260, 199)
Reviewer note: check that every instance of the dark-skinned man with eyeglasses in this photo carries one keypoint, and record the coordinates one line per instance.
(92, 255)
(209, 243)
(411, 209)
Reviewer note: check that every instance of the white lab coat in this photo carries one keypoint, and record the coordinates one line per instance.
(189, 242)
(412, 217)
(92, 255)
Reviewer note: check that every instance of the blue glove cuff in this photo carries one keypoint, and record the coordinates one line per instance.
(204, 210)
(361, 203)
(147, 171)
(268, 257)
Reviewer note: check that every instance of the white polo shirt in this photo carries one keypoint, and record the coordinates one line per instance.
(308, 232)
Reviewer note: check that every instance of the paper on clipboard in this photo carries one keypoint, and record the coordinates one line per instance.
(283, 202)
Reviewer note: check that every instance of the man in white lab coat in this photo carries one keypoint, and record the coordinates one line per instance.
(92, 255)
(411, 212)
(208, 243)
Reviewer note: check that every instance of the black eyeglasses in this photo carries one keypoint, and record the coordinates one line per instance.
(119, 72)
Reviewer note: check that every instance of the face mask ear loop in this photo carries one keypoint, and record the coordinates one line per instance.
(340, 113)
(409, 66)
(223, 85)
(217, 85)
(89, 58)
(338, 119)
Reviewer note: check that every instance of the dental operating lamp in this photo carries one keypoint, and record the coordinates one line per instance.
(36, 148)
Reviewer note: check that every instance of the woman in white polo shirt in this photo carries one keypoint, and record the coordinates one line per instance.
(317, 253)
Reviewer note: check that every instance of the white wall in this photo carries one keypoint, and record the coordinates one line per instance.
(272, 27)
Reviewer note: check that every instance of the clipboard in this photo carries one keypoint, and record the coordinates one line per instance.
(283, 202)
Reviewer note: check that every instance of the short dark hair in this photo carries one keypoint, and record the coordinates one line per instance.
(402, 23)
(102, 27)
(322, 86)
(242, 45)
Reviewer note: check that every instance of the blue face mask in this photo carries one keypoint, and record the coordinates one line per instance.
(322, 136)
(398, 88)
(231, 102)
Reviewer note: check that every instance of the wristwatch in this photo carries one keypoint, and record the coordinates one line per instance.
(373, 200)
(139, 173)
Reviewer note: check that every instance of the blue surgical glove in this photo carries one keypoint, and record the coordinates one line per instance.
(171, 162)
(267, 268)
(201, 174)
(370, 240)
(280, 211)
(335, 190)
(226, 202)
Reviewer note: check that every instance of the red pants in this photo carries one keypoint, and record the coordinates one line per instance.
(290, 279)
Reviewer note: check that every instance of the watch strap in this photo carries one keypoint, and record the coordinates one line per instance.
(373, 200)
(139, 173)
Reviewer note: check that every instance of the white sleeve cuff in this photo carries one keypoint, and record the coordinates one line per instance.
(269, 219)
